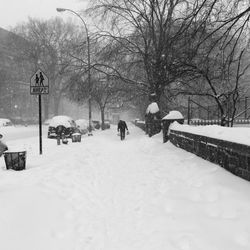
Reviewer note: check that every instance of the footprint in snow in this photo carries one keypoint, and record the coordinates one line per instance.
(195, 196)
(195, 183)
(243, 239)
(211, 195)
(69, 215)
(215, 211)
(185, 242)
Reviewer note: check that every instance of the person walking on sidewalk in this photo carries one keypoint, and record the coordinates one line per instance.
(122, 126)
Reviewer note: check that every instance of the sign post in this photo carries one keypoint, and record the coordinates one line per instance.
(39, 85)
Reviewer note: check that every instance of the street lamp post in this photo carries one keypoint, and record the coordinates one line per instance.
(89, 75)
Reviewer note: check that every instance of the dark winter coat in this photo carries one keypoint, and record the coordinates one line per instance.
(122, 126)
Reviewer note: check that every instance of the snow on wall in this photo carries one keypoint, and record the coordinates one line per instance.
(233, 134)
(173, 115)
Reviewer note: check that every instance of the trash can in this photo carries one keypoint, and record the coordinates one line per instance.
(15, 160)
(76, 137)
(79, 137)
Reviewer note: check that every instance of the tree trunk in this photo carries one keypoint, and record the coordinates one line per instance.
(102, 117)
(223, 121)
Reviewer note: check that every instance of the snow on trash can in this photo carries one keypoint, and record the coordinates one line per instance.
(15, 160)
(76, 137)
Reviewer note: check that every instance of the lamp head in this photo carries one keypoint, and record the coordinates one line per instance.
(60, 9)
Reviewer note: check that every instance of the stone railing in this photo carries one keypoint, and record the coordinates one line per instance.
(233, 157)
(140, 124)
(151, 128)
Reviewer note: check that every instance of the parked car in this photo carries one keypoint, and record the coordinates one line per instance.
(106, 124)
(61, 124)
(82, 125)
(5, 122)
(96, 124)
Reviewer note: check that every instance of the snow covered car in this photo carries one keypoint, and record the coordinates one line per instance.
(5, 122)
(82, 125)
(106, 124)
(61, 124)
(96, 124)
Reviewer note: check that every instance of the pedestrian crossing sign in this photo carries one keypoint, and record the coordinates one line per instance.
(39, 83)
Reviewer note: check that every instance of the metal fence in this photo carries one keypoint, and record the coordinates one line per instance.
(203, 110)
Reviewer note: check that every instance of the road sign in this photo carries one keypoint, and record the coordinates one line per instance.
(39, 83)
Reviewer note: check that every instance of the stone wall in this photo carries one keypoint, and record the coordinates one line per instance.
(153, 127)
(233, 157)
(141, 125)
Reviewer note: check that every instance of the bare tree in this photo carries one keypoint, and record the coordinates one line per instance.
(49, 46)
(105, 90)
(158, 34)
(216, 75)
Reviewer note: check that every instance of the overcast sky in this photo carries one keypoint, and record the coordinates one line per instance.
(16, 11)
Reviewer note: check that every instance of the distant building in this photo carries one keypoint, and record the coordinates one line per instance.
(15, 100)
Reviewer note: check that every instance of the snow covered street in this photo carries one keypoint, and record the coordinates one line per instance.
(107, 194)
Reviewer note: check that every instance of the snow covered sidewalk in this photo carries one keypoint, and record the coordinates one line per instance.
(107, 194)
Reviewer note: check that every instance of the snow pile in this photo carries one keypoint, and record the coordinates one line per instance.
(108, 194)
(233, 134)
(140, 122)
(173, 115)
(152, 108)
(76, 133)
(16, 148)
